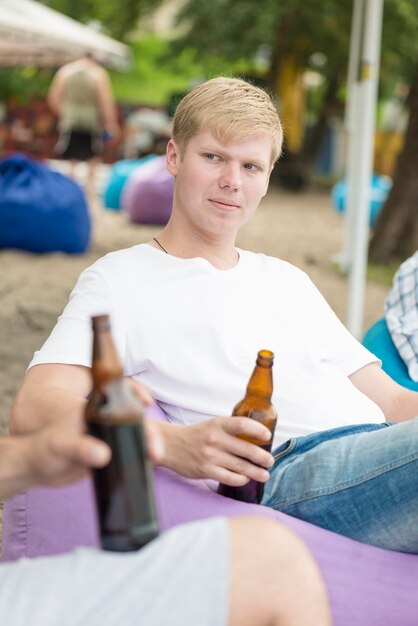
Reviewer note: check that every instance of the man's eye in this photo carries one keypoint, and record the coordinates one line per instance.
(250, 166)
(210, 156)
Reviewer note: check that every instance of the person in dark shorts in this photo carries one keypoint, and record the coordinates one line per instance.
(79, 145)
(81, 96)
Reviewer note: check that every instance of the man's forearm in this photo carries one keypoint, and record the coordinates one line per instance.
(48, 393)
(405, 407)
(32, 411)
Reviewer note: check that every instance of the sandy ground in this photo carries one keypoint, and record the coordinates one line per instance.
(301, 228)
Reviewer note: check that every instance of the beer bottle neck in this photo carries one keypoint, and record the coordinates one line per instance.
(261, 380)
(106, 365)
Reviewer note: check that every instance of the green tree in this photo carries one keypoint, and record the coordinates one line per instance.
(117, 17)
(235, 29)
(395, 235)
(295, 30)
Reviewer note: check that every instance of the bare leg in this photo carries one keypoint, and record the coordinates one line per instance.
(71, 169)
(274, 579)
(91, 176)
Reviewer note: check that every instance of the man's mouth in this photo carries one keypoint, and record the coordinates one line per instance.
(223, 203)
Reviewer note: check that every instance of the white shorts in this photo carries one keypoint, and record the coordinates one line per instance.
(180, 579)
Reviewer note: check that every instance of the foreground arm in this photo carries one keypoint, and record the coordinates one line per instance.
(397, 403)
(55, 391)
(49, 393)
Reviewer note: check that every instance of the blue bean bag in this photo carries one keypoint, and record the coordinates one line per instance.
(378, 340)
(41, 210)
(119, 174)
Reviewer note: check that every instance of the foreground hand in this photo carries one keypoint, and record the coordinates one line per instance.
(212, 449)
(61, 453)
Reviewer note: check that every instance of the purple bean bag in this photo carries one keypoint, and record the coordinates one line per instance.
(367, 586)
(147, 196)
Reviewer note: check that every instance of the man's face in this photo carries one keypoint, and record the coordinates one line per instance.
(219, 186)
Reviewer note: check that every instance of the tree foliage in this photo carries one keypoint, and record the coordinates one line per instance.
(236, 29)
(399, 41)
(117, 17)
(396, 233)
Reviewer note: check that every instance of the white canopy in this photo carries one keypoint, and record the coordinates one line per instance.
(33, 34)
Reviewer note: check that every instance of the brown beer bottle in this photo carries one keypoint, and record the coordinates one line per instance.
(257, 405)
(124, 488)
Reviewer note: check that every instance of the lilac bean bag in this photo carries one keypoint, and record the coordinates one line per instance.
(367, 586)
(147, 196)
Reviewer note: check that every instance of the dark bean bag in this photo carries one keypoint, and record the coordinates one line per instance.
(41, 210)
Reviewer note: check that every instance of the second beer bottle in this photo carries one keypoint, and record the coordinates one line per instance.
(124, 488)
(257, 405)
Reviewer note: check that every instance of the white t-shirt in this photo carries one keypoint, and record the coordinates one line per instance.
(191, 333)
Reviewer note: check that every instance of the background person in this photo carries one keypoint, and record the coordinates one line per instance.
(81, 96)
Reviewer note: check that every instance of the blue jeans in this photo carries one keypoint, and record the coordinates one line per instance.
(358, 481)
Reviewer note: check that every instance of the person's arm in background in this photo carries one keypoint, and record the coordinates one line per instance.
(107, 104)
(54, 97)
(210, 449)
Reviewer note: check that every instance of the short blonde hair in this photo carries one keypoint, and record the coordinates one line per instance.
(232, 109)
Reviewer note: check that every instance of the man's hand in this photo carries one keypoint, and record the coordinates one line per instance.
(214, 450)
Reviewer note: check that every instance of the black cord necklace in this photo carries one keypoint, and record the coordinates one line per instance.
(158, 243)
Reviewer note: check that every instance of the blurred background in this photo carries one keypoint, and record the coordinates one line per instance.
(299, 50)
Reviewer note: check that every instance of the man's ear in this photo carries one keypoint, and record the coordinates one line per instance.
(173, 156)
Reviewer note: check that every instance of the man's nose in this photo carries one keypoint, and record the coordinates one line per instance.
(230, 176)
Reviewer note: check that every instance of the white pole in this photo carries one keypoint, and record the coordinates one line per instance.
(351, 112)
(365, 128)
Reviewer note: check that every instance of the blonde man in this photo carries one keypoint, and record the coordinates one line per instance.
(190, 310)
